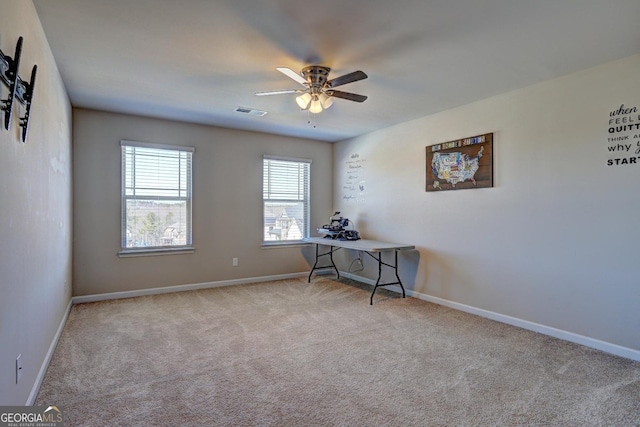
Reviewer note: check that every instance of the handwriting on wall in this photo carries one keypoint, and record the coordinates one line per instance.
(623, 142)
(355, 183)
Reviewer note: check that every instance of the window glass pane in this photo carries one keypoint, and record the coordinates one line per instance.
(284, 221)
(156, 223)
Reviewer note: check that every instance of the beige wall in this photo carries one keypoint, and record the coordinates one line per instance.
(227, 206)
(555, 242)
(35, 210)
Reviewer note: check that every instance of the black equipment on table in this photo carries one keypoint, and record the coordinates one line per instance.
(337, 229)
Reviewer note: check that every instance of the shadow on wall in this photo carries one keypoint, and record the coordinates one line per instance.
(442, 277)
(408, 268)
(309, 254)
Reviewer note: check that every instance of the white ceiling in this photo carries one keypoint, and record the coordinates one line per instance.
(196, 60)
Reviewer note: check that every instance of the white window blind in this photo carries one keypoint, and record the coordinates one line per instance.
(285, 195)
(156, 196)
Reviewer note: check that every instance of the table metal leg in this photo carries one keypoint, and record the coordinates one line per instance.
(395, 268)
(318, 255)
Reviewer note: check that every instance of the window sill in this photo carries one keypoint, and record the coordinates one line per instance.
(129, 253)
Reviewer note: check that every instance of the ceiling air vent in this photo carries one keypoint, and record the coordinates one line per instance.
(251, 111)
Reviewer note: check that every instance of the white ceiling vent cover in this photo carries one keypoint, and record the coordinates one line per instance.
(251, 111)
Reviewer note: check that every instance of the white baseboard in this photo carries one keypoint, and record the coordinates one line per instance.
(47, 359)
(607, 347)
(181, 288)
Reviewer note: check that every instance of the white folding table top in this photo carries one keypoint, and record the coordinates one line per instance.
(360, 245)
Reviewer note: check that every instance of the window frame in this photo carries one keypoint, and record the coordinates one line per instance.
(305, 229)
(161, 249)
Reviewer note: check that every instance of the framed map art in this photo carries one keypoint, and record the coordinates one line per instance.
(461, 164)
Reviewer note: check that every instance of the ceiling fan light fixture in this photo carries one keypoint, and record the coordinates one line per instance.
(326, 100)
(303, 101)
(316, 105)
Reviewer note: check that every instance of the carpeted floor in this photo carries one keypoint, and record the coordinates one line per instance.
(288, 353)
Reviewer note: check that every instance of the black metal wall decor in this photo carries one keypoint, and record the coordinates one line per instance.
(9, 74)
(18, 89)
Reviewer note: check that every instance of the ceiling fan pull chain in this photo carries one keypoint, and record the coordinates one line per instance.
(309, 121)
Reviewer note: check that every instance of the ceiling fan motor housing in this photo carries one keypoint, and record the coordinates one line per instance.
(316, 76)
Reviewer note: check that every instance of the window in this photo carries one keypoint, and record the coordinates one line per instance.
(285, 195)
(156, 197)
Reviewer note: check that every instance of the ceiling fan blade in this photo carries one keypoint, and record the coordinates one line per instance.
(347, 95)
(292, 74)
(278, 92)
(347, 78)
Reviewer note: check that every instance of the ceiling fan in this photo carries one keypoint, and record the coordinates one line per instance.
(318, 92)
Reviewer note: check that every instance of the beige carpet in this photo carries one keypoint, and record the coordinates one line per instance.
(288, 353)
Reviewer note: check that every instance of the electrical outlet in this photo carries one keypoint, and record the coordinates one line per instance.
(234, 262)
(18, 368)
